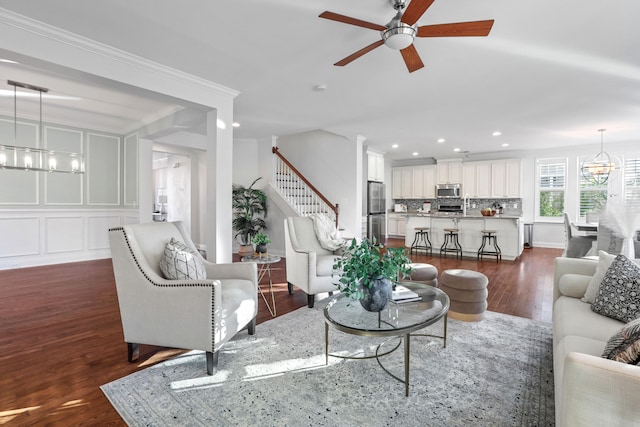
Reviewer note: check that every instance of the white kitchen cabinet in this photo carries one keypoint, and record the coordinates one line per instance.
(429, 182)
(449, 172)
(507, 178)
(417, 183)
(402, 185)
(476, 179)
(397, 225)
(375, 166)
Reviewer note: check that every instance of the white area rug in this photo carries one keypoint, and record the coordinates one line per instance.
(497, 372)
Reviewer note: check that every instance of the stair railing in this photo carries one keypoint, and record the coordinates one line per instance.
(298, 191)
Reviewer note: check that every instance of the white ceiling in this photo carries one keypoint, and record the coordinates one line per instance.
(550, 73)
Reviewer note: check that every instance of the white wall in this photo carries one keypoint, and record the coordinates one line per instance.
(333, 164)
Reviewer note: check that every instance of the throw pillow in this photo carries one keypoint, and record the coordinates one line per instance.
(619, 293)
(180, 262)
(624, 346)
(604, 262)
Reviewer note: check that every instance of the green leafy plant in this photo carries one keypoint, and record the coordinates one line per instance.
(362, 262)
(261, 239)
(249, 210)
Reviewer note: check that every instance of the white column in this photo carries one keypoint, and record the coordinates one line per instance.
(217, 221)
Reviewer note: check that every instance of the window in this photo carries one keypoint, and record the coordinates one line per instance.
(551, 184)
(593, 197)
(632, 183)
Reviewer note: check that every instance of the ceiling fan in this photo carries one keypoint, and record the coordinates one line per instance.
(399, 33)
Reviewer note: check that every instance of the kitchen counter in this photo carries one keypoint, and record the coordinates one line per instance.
(509, 228)
(469, 215)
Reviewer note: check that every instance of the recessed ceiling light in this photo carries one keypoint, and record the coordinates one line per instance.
(320, 88)
(221, 124)
(505, 145)
(235, 124)
(497, 133)
(415, 153)
(394, 146)
(456, 149)
(441, 140)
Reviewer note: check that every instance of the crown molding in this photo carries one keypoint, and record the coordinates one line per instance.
(103, 53)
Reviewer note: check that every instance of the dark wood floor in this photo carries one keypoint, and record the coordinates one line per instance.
(60, 333)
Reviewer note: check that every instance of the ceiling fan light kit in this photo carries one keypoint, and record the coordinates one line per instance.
(399, 37)
(401, 31)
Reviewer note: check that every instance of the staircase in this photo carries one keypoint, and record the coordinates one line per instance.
(299, 193)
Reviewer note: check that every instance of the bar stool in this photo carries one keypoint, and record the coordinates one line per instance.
(421, 240)
(451, 243)
(489, 238)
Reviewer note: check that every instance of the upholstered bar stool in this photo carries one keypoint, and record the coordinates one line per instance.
(488, 239)
(451, 243)
(421, 240)
(467, 291)
(424, 273)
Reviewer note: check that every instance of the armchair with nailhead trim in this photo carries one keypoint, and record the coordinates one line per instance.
(200, 314)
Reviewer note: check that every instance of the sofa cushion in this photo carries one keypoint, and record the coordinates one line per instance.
(604, 262)
(574, 317)
(624, 346)
(180, 262)
(619, 293)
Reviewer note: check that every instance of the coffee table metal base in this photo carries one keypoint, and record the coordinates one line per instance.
(378, 355)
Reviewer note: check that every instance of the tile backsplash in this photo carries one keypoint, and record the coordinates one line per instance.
(510, 206)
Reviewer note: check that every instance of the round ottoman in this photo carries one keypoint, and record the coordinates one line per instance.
(424, 273)
(467, 291)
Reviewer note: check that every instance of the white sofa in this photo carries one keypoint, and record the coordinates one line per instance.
(589, 390)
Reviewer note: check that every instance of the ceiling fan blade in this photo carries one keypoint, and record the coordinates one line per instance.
(359, 53)
(458, 29)
(411, 58)
(415, 10)
(353, 21)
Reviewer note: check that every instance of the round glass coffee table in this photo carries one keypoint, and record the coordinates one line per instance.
(396, 320)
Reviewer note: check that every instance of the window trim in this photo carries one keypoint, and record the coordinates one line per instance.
(538, 163)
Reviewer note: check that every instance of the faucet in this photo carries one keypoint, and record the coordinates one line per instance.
(465, 202)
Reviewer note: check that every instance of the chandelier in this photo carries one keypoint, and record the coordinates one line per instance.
(597, 169)
(36, 159)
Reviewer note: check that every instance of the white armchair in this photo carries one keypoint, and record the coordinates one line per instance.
(308, 264)
(192, 314)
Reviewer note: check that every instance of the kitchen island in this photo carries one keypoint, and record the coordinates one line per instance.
(509, 228)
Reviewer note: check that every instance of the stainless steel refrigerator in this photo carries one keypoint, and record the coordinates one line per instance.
(376, 215)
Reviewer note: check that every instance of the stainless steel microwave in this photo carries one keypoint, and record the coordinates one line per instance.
(448, 191)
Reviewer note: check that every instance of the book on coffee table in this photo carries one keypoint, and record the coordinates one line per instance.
(403, 294)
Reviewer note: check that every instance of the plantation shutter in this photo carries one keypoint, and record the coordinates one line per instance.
(593, 196)
(551, 182)
(632, 183)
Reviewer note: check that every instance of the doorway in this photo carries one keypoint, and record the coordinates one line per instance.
(172, 187)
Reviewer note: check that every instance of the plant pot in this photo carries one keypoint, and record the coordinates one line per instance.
(261, 249)
(245, 250)
(378, 296)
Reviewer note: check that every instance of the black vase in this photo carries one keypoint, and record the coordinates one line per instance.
(378, 295)
(261, 249)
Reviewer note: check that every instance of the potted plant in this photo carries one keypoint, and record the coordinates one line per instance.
(261, 240)
(367, 270)
(249, 210)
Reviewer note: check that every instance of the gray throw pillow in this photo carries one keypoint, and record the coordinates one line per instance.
(619, 293)
(180, 262)
(624, 346)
